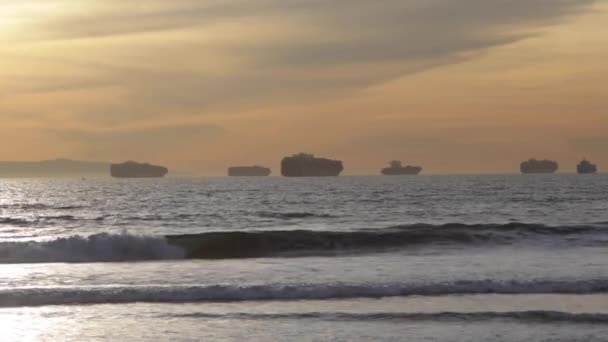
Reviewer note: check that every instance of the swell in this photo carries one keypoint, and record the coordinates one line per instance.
(243, 244)
(231, 293)
(525, 316)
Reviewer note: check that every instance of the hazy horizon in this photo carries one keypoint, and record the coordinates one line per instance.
(25, 169)
(466, 87)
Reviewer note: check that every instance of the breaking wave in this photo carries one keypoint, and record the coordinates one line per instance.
(95, 248)
(232, 293)
(289, 243)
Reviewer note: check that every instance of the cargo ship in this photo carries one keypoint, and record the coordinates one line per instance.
(586, 166)
(539, 166)
(396, 169)
(133, 169)
(307, 165)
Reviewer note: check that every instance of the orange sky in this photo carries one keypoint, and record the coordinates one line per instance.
(468, 86)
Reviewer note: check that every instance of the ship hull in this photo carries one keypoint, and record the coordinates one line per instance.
(587, 171)
(538, 171)
(312, 173)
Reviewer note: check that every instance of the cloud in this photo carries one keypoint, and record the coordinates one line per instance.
(164, 58)
(388, 20)
(284, 45)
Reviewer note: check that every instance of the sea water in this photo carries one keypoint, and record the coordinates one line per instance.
(422, 258)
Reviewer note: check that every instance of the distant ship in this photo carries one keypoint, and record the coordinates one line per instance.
(132, 169)
(396, 169)
(248, 171)
(539, 166)
(307, 165)
(586, 166)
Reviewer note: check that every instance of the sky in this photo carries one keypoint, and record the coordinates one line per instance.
(456, 86)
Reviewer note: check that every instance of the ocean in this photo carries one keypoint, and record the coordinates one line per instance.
(420, 258)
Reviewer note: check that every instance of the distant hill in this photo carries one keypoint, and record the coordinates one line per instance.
(53, 168)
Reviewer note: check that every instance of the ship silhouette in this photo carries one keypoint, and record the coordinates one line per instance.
(586, 166)
(133, 169)
(307, 165)
(396, 169)
(539, 166)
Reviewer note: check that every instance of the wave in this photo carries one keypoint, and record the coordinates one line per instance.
(13, 221)
(231, 293)
(95, 248)
(525, 316)
(291, 215)
(70, 207)
(248, 244)
(39, 206)
(284, 243)
(58, 218)
(42, 220)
